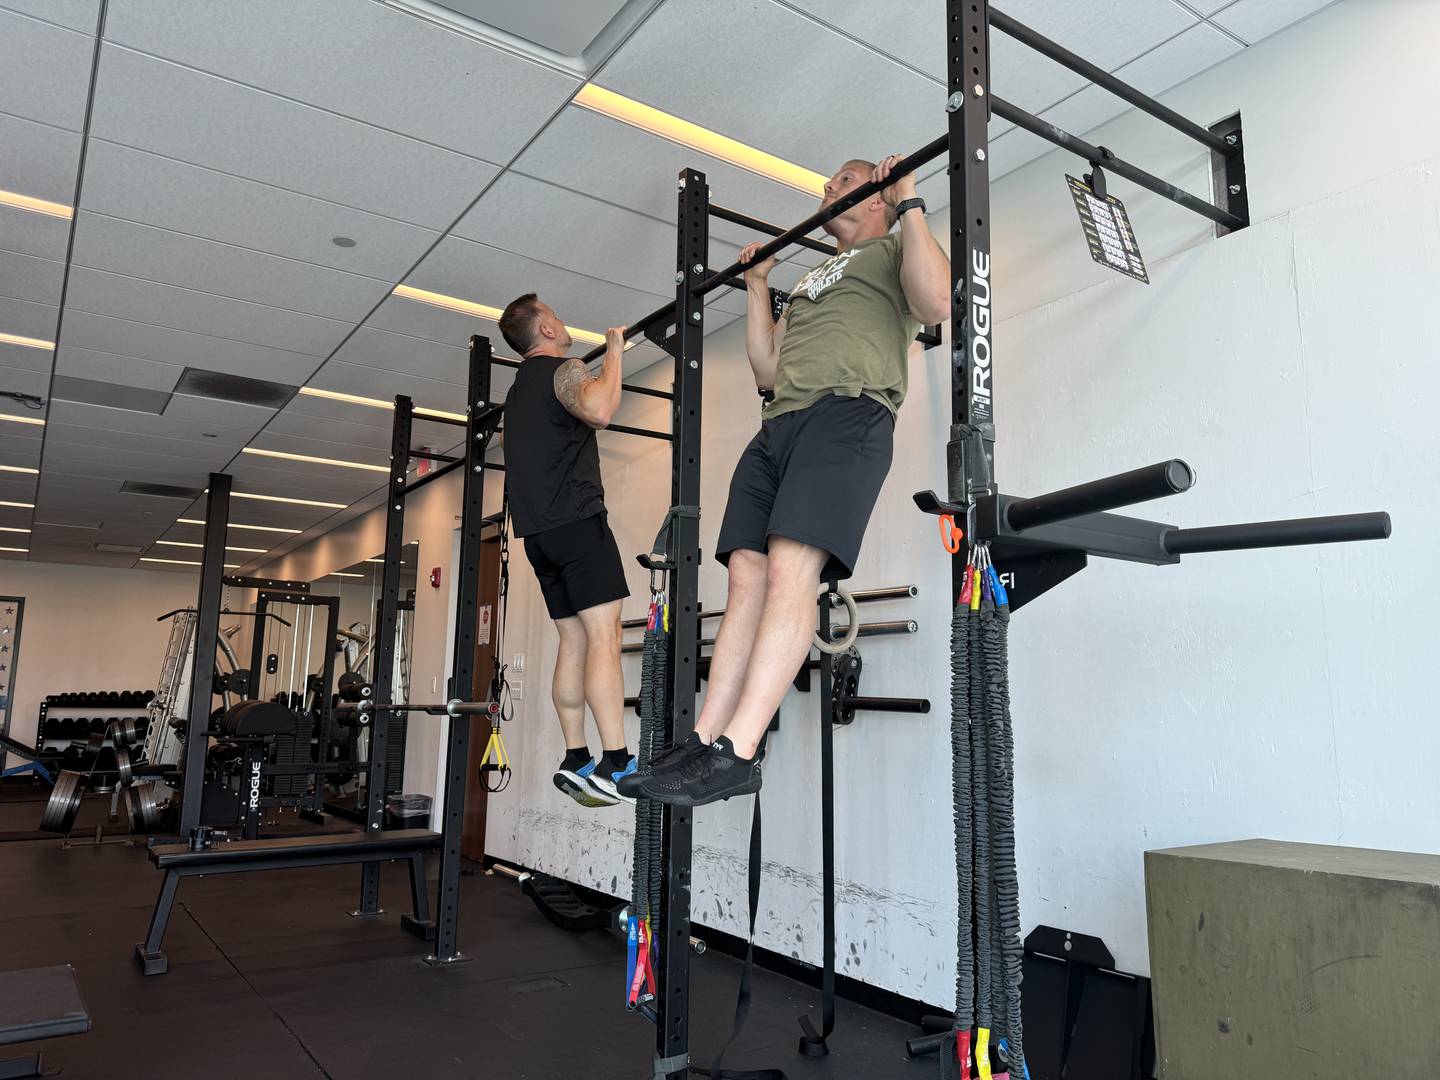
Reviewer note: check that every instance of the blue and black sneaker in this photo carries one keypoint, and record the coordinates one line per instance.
(580, 784)
(608, 782)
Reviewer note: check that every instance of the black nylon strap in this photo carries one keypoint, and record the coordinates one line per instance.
(742, 999)
(812, 1042)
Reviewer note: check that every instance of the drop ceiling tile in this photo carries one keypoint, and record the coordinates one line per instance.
(403, 352)
(25, 382)
(580, 150)
(170, 110)
(17, 487)
(131, 184)
(82, 15)
(475, 271)
(39, 160)
(111, 367)
(366, 61)
(143, 251)
(300, 480)
(385, 384)
(127, 465)
(183, 349)
(348, 436)
(218, 414)
(1254, 20)
(1107, 35)
(226, 443)
(23, 358)
(795, 71)
(34, 234)
(313, 446)
(537, 219)
(25, 277)
(1170, 64)
(46, 74)
(17, 439)
(24, 455)
(1018, 74)
(28, 319)
(168, 427)
(101, 293)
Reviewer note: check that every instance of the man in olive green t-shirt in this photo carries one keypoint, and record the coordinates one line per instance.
(804, 488)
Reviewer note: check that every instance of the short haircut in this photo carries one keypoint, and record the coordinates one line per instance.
(869, 167)
(517, 323)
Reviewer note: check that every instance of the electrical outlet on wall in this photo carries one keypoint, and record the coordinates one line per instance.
(519, 662)
(517, 691)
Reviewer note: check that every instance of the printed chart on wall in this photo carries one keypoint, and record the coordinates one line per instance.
(1107, 231)
(12, 612)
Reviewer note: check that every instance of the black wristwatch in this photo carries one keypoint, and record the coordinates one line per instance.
(909, 204)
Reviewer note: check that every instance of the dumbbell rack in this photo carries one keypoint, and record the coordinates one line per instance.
(44, 731)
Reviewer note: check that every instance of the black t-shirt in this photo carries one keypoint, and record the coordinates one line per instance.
(552, 462)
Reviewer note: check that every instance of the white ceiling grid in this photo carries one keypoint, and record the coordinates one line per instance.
(230, 144)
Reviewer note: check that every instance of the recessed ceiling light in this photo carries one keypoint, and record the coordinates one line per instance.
(228, 547)
(342, 241)
(316, 460)
(282, 499)
(484, 311)
(12, 528)
(251, 528)
(20, 505)
(376, 403)
(20, 469)
(22, 551)
(23, 419)
(27, 342)
(339, 573)
(36, 206)
(185, 562)
(647, 118)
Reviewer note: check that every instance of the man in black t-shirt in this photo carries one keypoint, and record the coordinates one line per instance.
(557, 504)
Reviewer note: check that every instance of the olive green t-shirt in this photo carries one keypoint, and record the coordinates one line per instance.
(847, 332)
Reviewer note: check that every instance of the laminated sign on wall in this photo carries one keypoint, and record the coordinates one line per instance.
(1107, 230)
(482, 628)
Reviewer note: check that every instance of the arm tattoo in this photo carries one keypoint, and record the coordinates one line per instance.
(570, 377)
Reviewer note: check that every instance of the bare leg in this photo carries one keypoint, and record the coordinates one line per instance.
(733, 642)
(568, 689)
(782, 641)
(604, 682)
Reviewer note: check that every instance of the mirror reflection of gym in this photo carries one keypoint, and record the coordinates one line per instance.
(358, 589)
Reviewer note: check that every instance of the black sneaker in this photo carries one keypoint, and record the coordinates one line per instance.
(702, 780)
(668, 758)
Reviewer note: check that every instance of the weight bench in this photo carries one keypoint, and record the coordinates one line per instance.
(38, 1003)
(244, 856)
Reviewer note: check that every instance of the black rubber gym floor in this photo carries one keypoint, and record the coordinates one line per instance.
(270, 977)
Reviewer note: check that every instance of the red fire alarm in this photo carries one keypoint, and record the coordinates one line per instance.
(435, 578)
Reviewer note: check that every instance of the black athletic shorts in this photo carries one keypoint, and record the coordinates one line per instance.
(812, 475)
(578, 566)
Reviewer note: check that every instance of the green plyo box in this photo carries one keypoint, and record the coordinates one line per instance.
(1294, 961)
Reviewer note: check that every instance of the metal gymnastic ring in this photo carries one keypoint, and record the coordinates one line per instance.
(835, 648)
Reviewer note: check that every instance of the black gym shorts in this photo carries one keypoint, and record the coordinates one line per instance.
(812, 475)
(578, 566)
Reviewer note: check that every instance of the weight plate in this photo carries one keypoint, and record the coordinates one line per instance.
(123, 768)
(63, 806)
(143, 805)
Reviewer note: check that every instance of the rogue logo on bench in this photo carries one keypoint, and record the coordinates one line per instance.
(255, 786)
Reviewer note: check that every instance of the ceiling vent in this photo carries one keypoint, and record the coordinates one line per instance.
(119, 549)
(239, 389)
(164, 491)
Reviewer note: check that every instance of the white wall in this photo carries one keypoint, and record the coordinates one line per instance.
(88, 628)
(1267, 693)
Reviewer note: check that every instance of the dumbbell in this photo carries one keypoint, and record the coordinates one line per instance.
(97, 726)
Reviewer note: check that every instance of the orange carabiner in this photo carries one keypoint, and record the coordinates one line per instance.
(950, 534)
